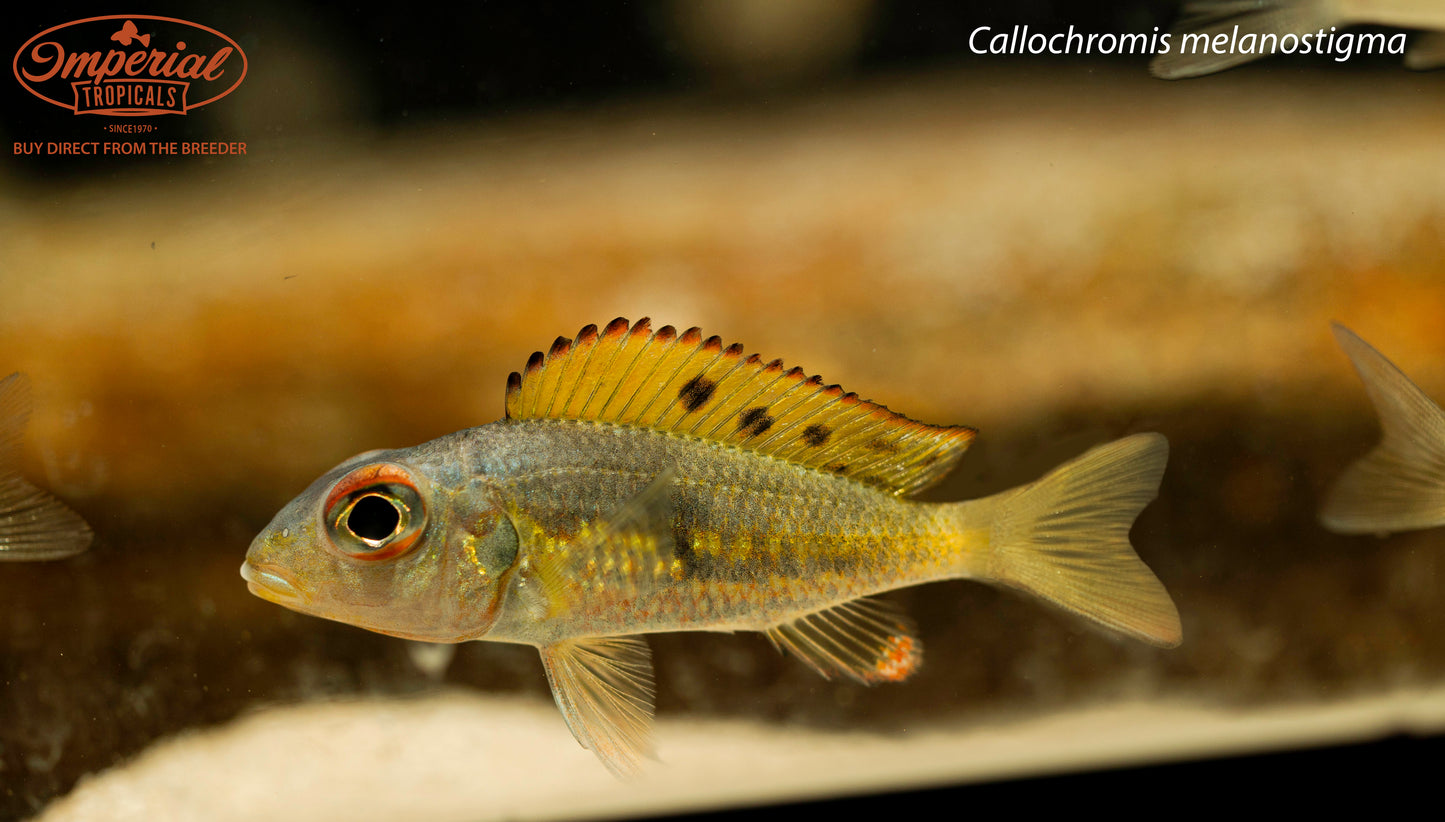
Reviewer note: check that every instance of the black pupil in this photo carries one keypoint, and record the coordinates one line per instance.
(374, 518)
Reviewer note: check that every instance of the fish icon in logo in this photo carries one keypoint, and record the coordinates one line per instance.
(129, 32)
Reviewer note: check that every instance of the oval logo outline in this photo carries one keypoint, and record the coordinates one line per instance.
(20, 78)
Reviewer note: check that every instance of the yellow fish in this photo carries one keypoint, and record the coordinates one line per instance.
(33, 525)
(1400, 485)
(645, 481)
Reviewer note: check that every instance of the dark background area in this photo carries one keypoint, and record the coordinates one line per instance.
(376, 68)
(158, 654)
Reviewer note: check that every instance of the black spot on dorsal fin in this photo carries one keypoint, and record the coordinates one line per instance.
(884, 445)
(695, 393)
(815, 435)
(754, 421)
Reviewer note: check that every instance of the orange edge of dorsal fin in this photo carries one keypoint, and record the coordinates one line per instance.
(688, 385)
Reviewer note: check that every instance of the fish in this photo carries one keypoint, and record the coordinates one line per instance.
(1316, 18)
(1400, 484)
(645, 481)
(33, 524)
(129, 32)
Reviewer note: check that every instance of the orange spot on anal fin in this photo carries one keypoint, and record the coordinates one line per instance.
(867, 640)
(900, 659)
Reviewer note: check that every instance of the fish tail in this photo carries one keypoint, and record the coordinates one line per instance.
(33, 525)
(1065, 538)
(1400, 485)
(1203, 20)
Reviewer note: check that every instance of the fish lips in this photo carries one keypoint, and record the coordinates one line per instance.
(271, 584)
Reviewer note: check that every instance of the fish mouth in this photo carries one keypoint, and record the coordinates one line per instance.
(270, 583)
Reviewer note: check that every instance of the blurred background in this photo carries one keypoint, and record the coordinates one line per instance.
(1056, 250)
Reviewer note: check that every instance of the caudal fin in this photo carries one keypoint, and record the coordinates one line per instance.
(1065, 538)
(33, 525)
(1399, 486)
(1191, 52)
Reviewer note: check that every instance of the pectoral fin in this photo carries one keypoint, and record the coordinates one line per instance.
(604, 689)
(629, 551)
(868, 640)
(640, 530)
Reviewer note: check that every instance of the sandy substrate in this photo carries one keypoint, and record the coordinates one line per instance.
(467, 757)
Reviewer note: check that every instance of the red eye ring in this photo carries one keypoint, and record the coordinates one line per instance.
(375, 513)
(367, 475)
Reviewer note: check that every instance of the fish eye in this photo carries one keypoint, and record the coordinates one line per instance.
(373, 518)
(375, 512)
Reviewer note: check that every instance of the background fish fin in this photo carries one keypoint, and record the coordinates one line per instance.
(1400, 485)
(604, 689)
(695, 387)
(1427, 51)
(1213, 17)
(867, 639)
(1065, 538)
(33, 525)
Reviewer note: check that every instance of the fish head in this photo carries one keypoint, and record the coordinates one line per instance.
(392, 541)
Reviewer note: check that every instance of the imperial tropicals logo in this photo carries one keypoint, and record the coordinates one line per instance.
(130, 65)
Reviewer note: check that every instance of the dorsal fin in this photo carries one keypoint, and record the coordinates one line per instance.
(695, 387)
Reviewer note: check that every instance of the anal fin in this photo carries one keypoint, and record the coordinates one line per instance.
(867, 640)
(604, 688)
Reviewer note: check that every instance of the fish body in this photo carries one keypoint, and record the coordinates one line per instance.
(740, 544)
(1400, 484)
(1207, 19)
(33, 525)
(647, 482)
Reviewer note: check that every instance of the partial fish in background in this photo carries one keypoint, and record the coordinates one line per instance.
(1298, 17)
(1399, 486)
(645, 481)
(33, 525)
